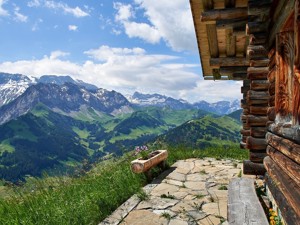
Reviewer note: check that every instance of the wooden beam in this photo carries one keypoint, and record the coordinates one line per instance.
(286, 210)
(258, 95)
(212, 40)
(285, 184)
(256, 143)
(231, 24)
(223, 14)
(257, 121)
(259, 62)
(258, 132)
(258, 73)
(258, 38)
(229, 3)
(225, 71)
(229, 61)
(272, 88)
(251, 168)
(230, 43)
(257, 52)
(257, 157)
(285, 146)
(256, 27)
(259, 85)
(208, 4)
(259, 110)
(286, 164)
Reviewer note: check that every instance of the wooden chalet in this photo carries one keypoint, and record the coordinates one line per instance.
(258, 42)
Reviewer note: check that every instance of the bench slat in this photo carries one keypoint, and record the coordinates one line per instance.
(244, 207)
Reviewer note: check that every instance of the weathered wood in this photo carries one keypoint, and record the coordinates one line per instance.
(259, 110)
(259, 62)
(257, 39)
(229, 3)
(229, 61)
(223, 14)
(243, 204)
(259, 8)
(256, 52)
(142, 165)
(284, 62)
(285, 184)
(286, 210)
(258, 132)
(271, 113)
(245, 132)
(258, 95)
(238, 76)
(231, 44)
(258, 73)
(283, 16)
(256, 143)
(272, 101)
(256, 27)
(246, 83)
(245, 89)
(272, 88)
(245, 111)
(208, 4)
(285, 163)
(259, 85)
(261, 102)
(251, 168)
(246, 126)
(212, 40)
(257, 121)
(257, 157)
(231, 24)
(272, 75)
(228, 71)
(287, 147)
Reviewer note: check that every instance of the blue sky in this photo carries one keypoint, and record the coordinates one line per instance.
(125, 45)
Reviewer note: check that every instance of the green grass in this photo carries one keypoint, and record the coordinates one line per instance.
(90, 198)
(6, 147)
(84, 134)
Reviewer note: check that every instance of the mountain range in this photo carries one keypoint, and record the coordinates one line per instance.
(53, 123)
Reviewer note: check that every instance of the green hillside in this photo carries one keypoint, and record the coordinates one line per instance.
(204, 132)
(46, 140)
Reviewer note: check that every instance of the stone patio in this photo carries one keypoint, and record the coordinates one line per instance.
(192, 192)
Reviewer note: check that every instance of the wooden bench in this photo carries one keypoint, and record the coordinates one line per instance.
(244, 207)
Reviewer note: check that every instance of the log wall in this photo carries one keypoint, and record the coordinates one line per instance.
(256, 89)
(283, 137)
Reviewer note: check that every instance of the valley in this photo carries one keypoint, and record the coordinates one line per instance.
(56, 124)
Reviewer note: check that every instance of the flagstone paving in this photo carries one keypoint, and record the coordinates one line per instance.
(194, 192)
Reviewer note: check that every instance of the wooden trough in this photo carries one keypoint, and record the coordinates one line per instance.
(141, 165)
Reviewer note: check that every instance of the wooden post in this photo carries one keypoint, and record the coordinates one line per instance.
(251, 168)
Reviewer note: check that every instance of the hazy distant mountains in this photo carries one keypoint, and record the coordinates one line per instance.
(14, 85)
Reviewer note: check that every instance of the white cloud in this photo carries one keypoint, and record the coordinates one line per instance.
(58, 54)
(34, 3)
(3, 12)
(124, 13)
(19, 16)
(131, 69)
(77, 12)
(142, 30)
(73, 27)
(169, 20)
